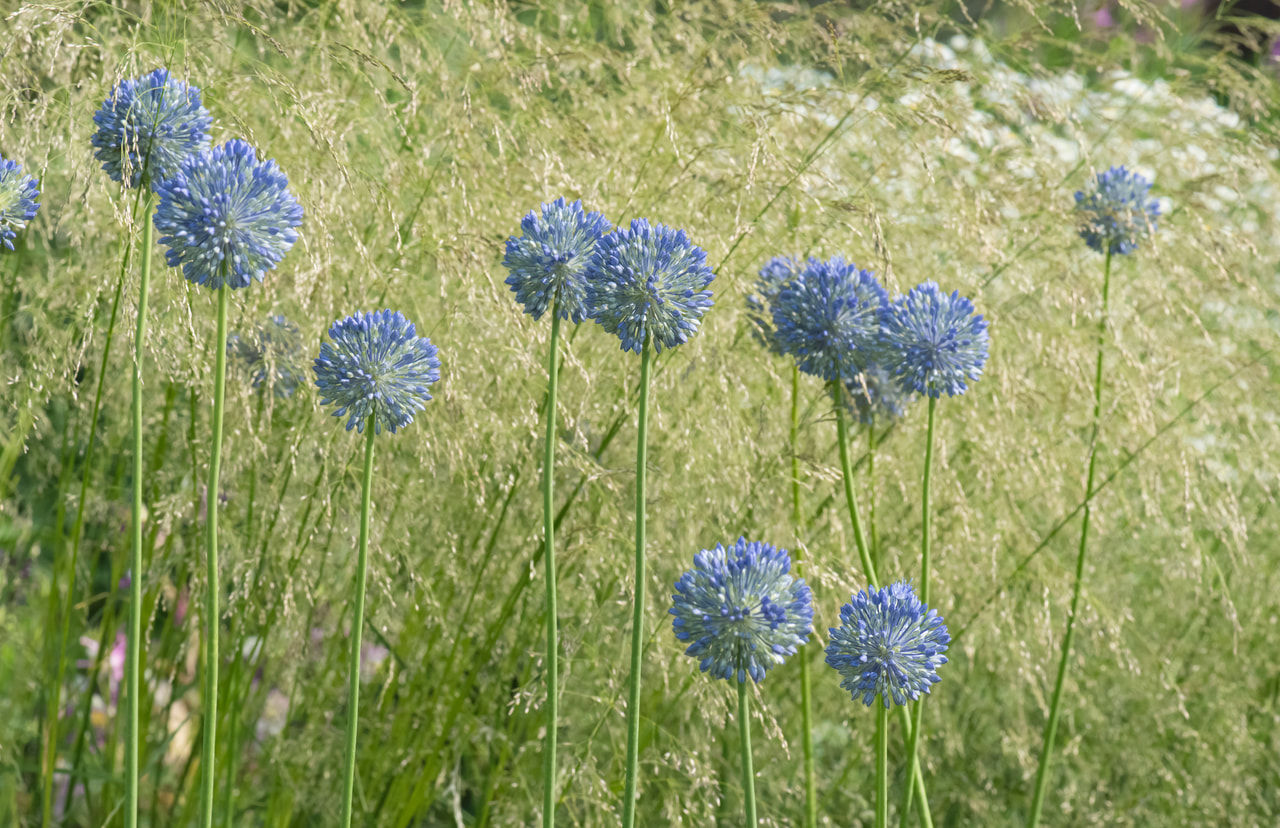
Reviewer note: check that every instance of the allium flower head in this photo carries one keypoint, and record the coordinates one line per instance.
(228, 217)
(933, 342)
(271, 354)
(888, 644)
(550, 261)
(649, 279)
(18, 194)
(376, 363)
(1116, 214)
(773, 277)
(741, 610)
(828, 318)
(874, 395)
(147, 126)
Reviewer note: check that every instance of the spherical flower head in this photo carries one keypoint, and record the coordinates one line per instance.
(649, 280)
(550, 261)
(1116, 214)
(742, 610)
(828, 318)
(147, 126)
(375, 363)
(874, 396)
(773, 277)
(18, 194)
(932, 342)
(889, 645)
(228, 218)
(271, 354)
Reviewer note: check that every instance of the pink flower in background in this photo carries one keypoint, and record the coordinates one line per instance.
(1102, 18)
(371, 657)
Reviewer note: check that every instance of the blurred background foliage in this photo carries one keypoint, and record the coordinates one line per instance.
(924, 140)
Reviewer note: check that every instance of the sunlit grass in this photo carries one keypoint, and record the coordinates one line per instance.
(415, 137)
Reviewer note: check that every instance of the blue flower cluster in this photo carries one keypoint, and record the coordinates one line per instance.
(742, 610)
(18, 205)
(147, 126)
(551, 260)
(773, 277)
(375, 363)
(1115, 215)
(270, 353)
(228, 217)
(933, 341)
(888, 644)
(828, 318)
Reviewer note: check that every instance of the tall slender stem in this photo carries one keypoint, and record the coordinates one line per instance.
(357, 626)
(135, 643)
(882, 765)
(637, 619)
(806, 681)
(213, 592)
(1055, 706)
(846, 467)
(871, 493)
(926, 534)
(748, 774)
(549, 531)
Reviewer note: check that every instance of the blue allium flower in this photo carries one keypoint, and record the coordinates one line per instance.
(18, 205)
(874, 395)
(271, 354)
(773, 277)
(229, 217)
(649, 279)
(1116, 215)
(933, 342)
(742, 610)
(147, 126)
(551, 260)
(828, 318)
(376, 363)
(888, 644)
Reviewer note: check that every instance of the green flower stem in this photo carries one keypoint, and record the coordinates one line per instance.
(744, 731)
(637, 620)
(871, 494)
(64, 626)
(806, 685)
(134, 644)
(846, 468)
(926, 533)
(357, 625)
(549, 531)
(1055, 706)
(882, 766)
(210, 729)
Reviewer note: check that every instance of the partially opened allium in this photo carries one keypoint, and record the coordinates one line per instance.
(549, 262)
(874, 395)
(375, 363)
(649, 280)
(828, 318)
(773, 277)
(271, 353)
(18, 194)
(1116, 214)
(888, 644)
(228, 217)
(147, 126)
(933, 342)
(742, 610)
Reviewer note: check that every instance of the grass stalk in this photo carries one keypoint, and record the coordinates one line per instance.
(926, 533)
(134, 641)
(357, 625)
(548, 523)
(806, 680)
(208, 776)
(748, 774)
(637, 620)
(1055, 706)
